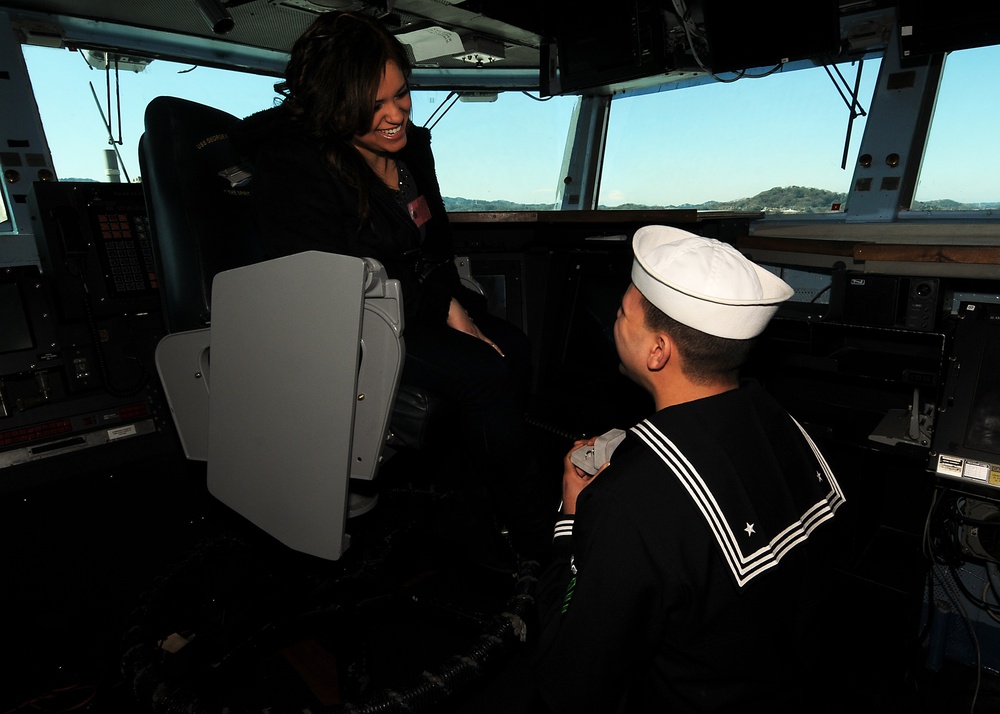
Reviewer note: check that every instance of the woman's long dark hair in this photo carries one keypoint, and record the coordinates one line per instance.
(330, 84)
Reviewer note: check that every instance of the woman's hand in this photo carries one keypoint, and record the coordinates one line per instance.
(458, 319)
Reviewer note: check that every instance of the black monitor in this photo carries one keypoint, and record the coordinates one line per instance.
(16, 334)
(624, 41)
(6, 224)
(501, 280)
(580, 377)
(744, 35)
(27, 328)
(966, 443)
(928, 28)
(631, 42)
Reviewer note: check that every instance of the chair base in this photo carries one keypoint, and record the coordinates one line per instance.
(359, 504)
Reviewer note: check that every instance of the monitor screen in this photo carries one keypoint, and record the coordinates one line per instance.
(4, 216)
(966, 443)
(14, 331)
(500, 280)
(982, 431)
(580, 365)
(744, 36)
(925, 28)
(628, 43)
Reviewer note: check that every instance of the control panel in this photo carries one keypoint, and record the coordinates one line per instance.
(80, 330)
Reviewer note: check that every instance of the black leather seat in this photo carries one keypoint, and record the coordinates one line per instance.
(197, 203)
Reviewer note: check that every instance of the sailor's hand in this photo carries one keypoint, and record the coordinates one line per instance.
(576, 479)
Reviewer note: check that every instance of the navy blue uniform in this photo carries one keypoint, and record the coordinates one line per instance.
(692, 577)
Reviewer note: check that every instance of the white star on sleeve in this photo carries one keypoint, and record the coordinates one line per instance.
(749, 529)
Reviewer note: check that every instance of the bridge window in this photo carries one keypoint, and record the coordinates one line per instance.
(497, 152)
(774, 143)
(78, 98)
(4, 214)
(959, 167)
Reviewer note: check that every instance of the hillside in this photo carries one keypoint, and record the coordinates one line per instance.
(787, 199)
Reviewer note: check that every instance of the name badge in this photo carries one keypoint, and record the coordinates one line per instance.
(419, 210)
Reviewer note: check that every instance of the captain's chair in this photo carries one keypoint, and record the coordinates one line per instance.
(281, 374)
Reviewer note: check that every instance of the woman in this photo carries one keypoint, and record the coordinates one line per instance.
(339, 167)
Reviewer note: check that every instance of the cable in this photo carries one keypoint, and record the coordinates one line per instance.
(991, 579)
(853, 105)
(77, 268)
(444, 107)
(551, 428)
(691, 31)
(102, 362)
(980, 603)
(171, 683)
(946, 516)
(118, 97)
(59, 700)
(111, 139)
(820, 294)
(972, 635)
(987, 588)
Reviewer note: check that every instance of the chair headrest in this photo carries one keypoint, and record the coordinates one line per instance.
(196, 189)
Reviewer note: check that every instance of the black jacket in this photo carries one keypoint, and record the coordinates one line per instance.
(302, 203)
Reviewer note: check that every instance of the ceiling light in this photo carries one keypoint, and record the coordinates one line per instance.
(481, 51)
(216, 15)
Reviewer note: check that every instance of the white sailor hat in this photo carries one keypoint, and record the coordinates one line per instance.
(705, 283)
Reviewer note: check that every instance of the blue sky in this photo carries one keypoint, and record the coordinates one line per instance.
(715, 142)
(72, 119)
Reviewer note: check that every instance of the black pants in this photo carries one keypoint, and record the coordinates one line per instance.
(487, 394)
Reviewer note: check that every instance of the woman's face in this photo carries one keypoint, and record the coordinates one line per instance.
(392, 110)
